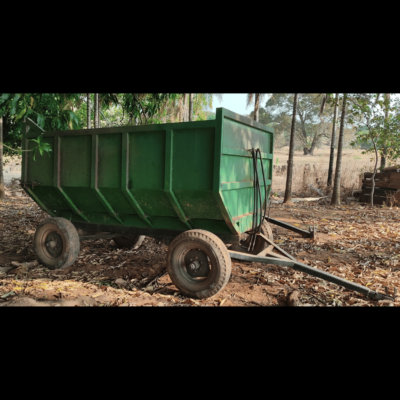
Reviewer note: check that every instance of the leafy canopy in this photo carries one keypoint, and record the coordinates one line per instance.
(367, 112)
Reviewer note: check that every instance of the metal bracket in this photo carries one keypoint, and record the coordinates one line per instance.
(389, 296)
(311, 233)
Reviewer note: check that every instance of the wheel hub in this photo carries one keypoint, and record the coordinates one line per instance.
(54, 244)
(197, 265)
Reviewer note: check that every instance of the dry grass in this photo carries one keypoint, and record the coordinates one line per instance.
(320, 155)
(313, 171)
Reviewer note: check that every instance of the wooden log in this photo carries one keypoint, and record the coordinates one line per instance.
(378, 191)
(389, 184)
(394, 167)
(379, 175)
(366, 198)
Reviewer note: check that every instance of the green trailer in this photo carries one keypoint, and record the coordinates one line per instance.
(197, 186)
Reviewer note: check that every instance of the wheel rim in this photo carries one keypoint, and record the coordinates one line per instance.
(194, 265)
(52, 243)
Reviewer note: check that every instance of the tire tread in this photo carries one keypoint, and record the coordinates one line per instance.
(222, 255)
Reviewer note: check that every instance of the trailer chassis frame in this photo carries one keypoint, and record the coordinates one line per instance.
(291, 262)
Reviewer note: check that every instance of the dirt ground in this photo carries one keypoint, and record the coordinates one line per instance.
(353, 242)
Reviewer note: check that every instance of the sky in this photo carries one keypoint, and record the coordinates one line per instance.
(235, 102)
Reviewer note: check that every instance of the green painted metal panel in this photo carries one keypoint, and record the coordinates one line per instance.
(168, 181)
(170, 176)
(127, 194)
(241, 135)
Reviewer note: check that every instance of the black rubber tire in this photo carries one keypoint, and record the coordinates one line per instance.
(69, 242)
(218, 256)
(127, 242)
(260, 245)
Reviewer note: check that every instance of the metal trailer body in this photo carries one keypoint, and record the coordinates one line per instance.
(153, 180)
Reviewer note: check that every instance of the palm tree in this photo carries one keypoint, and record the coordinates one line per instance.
(96, 110)
(185, 113)
(2, 191)
(332, 155)
(190, 106)
(89, 119)
(336, 188)
(258, 98)
(289, 177)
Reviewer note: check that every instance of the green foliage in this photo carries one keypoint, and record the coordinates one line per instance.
(202, 102)
(367, 111)
(65, 111)
(41, 147)
(309, 126)
(130, 109)
(50, 111)
(210, 116)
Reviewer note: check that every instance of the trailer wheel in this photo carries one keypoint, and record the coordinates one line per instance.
(260, 245)
(198, 263)
(129, 241)
(56, 243)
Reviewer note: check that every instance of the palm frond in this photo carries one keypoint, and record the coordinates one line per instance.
(249, 98)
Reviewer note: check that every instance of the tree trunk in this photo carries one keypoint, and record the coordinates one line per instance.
(333, 140)
(185, 106)
(303, 130)
(2, 190)
(96, 110)
(387, 105)
(314, 144)
(256, 106)
(289, 176)
(89, 112)
(373, 176)
(191, 107)
(336, 187)
(383, 160)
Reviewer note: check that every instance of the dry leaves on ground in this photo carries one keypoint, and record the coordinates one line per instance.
(353, 242)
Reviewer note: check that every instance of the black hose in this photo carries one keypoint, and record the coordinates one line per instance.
(259, 211)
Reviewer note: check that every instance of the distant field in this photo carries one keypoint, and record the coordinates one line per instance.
(321, 156)
(313, 170)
